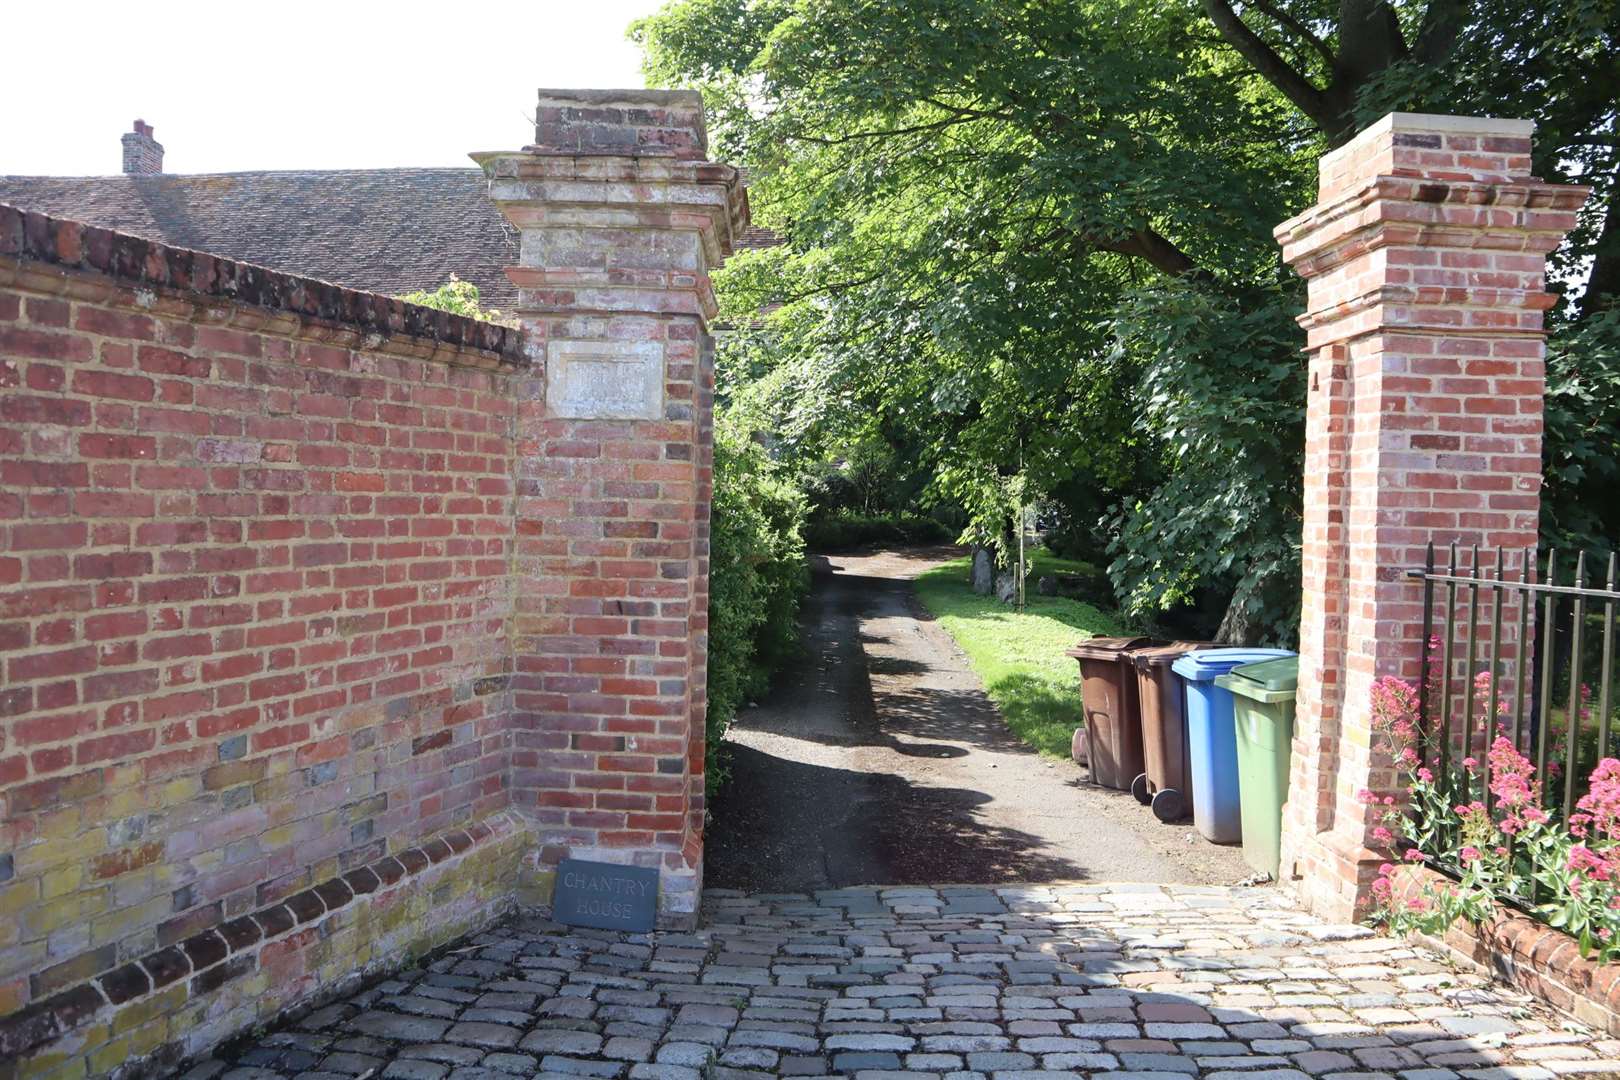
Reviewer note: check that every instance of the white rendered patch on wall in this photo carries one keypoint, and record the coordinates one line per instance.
(605, 380)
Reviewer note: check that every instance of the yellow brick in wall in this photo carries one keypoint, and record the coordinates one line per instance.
(40, 856)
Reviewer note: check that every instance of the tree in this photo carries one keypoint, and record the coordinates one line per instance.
(1323, 61)
(1344, 63)
(1555, 63)
(1036, 234)
(972, 194)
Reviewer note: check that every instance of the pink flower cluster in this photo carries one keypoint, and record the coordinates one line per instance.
(1579, 858)
(1593, 864)
(1476, 822)
(1513, 779)
(1395, 709)
(1600, 806)
(1383, 887)
(1482, 698)
(1513, 782)
(1383, 890)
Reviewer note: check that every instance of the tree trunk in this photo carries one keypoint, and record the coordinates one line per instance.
(1603, 286)
(1236, 627)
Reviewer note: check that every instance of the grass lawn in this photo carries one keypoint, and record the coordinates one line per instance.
(1019, 654)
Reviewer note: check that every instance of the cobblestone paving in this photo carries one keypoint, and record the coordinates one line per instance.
(1141, 982)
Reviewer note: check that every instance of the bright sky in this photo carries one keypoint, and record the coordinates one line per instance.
(232, 85)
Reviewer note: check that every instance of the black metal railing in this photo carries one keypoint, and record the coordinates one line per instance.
(1511, 653)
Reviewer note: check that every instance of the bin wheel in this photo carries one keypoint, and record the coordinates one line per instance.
(1168, 805)
(1139, 788)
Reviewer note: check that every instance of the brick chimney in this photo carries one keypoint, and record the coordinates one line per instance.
(143, 155)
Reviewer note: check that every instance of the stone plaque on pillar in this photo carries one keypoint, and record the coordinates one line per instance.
(605, 380)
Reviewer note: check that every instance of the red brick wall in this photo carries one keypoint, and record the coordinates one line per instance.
(255, 584)
(321, 614)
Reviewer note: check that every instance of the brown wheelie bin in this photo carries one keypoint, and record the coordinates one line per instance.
(1108, 699)
(1165, 783)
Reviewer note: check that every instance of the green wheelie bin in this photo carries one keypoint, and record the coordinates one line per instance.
(1263, 701)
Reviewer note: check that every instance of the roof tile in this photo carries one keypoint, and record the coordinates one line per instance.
(389, 231)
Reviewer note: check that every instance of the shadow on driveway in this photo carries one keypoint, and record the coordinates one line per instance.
(878, 758)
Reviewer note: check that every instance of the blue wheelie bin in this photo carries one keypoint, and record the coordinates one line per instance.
(1212, 739)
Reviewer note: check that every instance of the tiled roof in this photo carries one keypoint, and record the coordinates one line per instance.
(388, 231)
(388, 323)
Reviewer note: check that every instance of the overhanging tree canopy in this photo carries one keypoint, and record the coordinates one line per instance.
(1035, 235)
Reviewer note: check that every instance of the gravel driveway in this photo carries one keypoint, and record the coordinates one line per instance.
(878, 759)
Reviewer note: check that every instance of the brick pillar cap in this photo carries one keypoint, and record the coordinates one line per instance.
(1403, 123)
(1451, 125)
(1426, 123)
(631, 123)
(1446, 149)
(622, 98)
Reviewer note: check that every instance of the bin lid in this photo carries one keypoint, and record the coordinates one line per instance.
(1280, 674)
(1165, 655)
(1204, 664)
(1106, 648)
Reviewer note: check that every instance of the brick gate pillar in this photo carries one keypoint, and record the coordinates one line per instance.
(1425, 261)
(621, 219)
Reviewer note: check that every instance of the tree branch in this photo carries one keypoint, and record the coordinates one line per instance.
(1145, 244)
(1294, 86)
(1298, 27)
(1152, 248)
(832, 288)
(965, 112)
(1437, 35)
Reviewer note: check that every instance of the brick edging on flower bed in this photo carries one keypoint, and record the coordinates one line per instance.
(207, 957)
(1534, 957)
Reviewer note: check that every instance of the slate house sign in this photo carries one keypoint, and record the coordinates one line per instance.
(605, 895)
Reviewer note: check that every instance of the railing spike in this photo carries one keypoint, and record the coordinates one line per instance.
(1496, 662)
(1608, 661)
(1572, 716)
(1469, 695)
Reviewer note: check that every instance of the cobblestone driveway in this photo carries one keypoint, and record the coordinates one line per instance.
(1144, 982)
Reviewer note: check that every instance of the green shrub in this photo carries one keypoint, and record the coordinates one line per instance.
(757, 577)
(843, 529)
(1581, 451)
(1077, 580)
(458, 297)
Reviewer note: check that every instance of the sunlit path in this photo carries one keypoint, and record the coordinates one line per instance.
(879, 758)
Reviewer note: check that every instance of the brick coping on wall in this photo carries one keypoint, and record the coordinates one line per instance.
(388, 324)
(206, 957)
(1530, 955)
